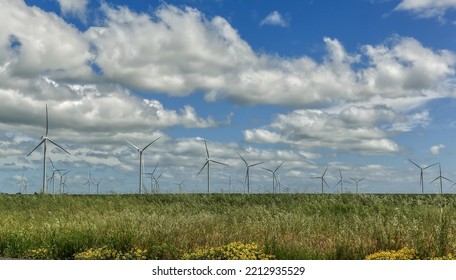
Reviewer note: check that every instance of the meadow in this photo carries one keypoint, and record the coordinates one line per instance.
(167, 226)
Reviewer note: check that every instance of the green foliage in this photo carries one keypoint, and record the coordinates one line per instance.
(288, 226)
(232, 251)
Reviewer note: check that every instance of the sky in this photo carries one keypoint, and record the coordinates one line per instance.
(354, 88)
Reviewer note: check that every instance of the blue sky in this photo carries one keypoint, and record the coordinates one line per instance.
(359, 87)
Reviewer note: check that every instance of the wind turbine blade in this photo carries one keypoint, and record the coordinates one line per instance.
(255, 164)
(131, 144)
(66, 173)
(324, 172)
(361, 179)
(150, 143)
(155, 168)
(50, 140)
(243, 159)
(207, 162)
(279, 166)
(447, 179)
(325, 182)
(36, 147)
(207, 151)
(268, 170)
(430, 165)
(47, 121)
(219, 162)
(434, 180)
(340, 182)
(159, 176)
(414, 163)
(52, 163)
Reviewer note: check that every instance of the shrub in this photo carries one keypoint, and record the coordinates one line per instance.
(450, 256)
(105, 253)
(232, 251)
(402, 254)
(38, 254)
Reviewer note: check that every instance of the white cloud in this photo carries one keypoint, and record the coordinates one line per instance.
(74, 7)
(274, 18)
(33, 42)
(157, 54)
(435, 150)
(427, 8)
(355, 129)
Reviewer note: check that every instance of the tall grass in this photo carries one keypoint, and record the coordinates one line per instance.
(304, 226)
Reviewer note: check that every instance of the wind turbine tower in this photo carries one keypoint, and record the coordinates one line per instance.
(440, 177)
(323, 181)
(208, 161)
(341, 182)
(44, 140)
(274, 177)
(356, 182)
(140, 161)
(247, 174)
(421, 173)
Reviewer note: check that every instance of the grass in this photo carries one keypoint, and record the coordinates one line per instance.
(289, 226)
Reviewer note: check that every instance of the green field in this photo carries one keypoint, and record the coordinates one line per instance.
(298, 226)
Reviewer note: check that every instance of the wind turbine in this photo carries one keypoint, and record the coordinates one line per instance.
(323, 181)
(180, 186)
(441, 177)
(156, 183)
(44, 141)
(274, 177)
(89, 181)
(421, 173)
(341, 182)
(247, 173)
(55, 170)
(151, 174)
(62, 182)
(140, 160)
(356, 182)
(98, 185)
(22, 184)
(208, 161)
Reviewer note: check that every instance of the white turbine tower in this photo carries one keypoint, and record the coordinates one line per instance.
(323, 181)
(247, 173)
(208, 161)
(140, 160)
(422, 173)
(356, 182)
(274, 177)
(341, 182)
(44, 141)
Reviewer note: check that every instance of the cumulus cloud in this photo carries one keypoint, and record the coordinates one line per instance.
(33, 42)
(435, 150)
(180, 52)
(74, 7)
(274, 18)
(355, 129)
(427, 8)
(226, 66)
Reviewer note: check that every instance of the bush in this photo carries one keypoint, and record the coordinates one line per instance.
(38, 254)
(232, 251)
(105, 253)
(402, 254)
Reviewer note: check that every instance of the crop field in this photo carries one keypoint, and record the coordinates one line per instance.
(287, 226)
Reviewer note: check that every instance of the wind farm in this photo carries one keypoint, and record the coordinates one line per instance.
(61, 174)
